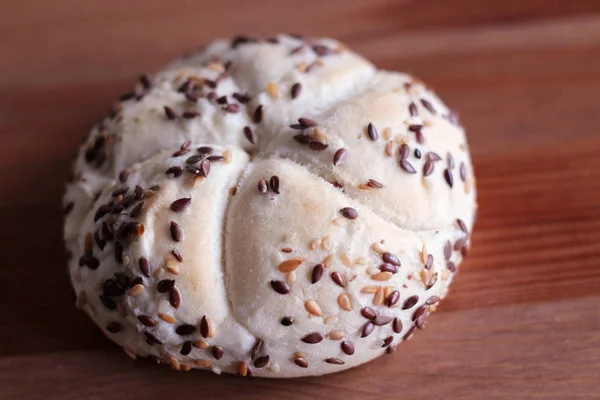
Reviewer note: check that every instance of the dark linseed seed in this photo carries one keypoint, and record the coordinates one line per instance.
(450, 161)
(205, 168)
(397, 325)
(367, 329)
(135, 281)
(145, 81)
(347, 348)
(335, 361)
(170, 113)
(175, 171)
(174, 297)
(390, 259)
(222, 100)
(451, 267)
(165, 285)
(381, 320)
(185, 329)
(262, 362)
(448, 177)
(215, 158)
(144, 266)
(176, 231)
(99, 242)
(258, 114)
(114, 327)
(274, 183)
(186, 348)
(317, 273)
(338, 157)
(193, 96)
(249, 134)
(349, 212)
(387, 341)
(194, 159)
(287, 321)
(447, 250)
(321, 50)
(429, 262)
(374, 184)
(433, 156)
(313, 338)
(262, 186)
(372, 132)
(301, 362)
(317, 146)
(232, 108)
(108, 302)
(432, 300)
(181, 204)
(190, 114)
(138, 192)
(240, 40)
(177, 255)
(185, 86)
(409, 333)
(118, 252)
(417, 154)
(117, 209)
(298, 127)
(137, 210)
(258, 346)
(296, 90)
(307, 122)
(410, 302)
(147, 320)
(127, 96)
(241, 97)
(428, 106)
(392, 299)
(211, 97)
(431, 281)
(420, 312)
(406, 166)
(412, 109)
(463, 171)
(217, 352)
(339, 279)
(68, 208)
(462, 225)
(302, 138)
(280, 287)
(151, 339)
(123, 175)
(204, 327)
(204, 150)
(419, 136)
(179, 153)
(404, 151)
(388, 268)
(368, 313)
(428, 168)
(120, 191)
(192, 170)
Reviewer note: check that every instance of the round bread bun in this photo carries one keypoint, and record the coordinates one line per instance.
(269, 207)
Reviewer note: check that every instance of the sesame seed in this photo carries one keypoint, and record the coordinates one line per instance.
(174, 297)
(367, 329)
(280, 287)
(317, 273)
(397, 325)
(114, 327)
(339, 156)
(262, 186)
(382, 276)
(313, 338)
(176, 231)
(290, 265)
(410, 302)
(372, 132)
(217, 352)
(185, 329)
(389, 149)
(249, 134)
(167, 318)
(301, 362)
(313, 308)
(203, 363)
(344, 302)
(449, 178)
(406, 166)
(382, 320)
(339, 279)
(393, 298)
(136, 290)
(287, 321)
(296, 90)
(170, 113)
(146, 320)
(258, 114)
(274, 183)
(379, 297)
(181, 204)
(242, 368)
(336, 335)
(349, 212)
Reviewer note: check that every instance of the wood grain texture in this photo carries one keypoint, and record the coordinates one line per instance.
(523, 319)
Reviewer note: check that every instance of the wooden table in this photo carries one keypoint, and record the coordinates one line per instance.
(523, 319)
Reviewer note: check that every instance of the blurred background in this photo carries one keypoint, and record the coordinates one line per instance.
(523, 320)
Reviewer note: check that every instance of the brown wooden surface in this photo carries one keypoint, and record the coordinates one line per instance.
(523, 319)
